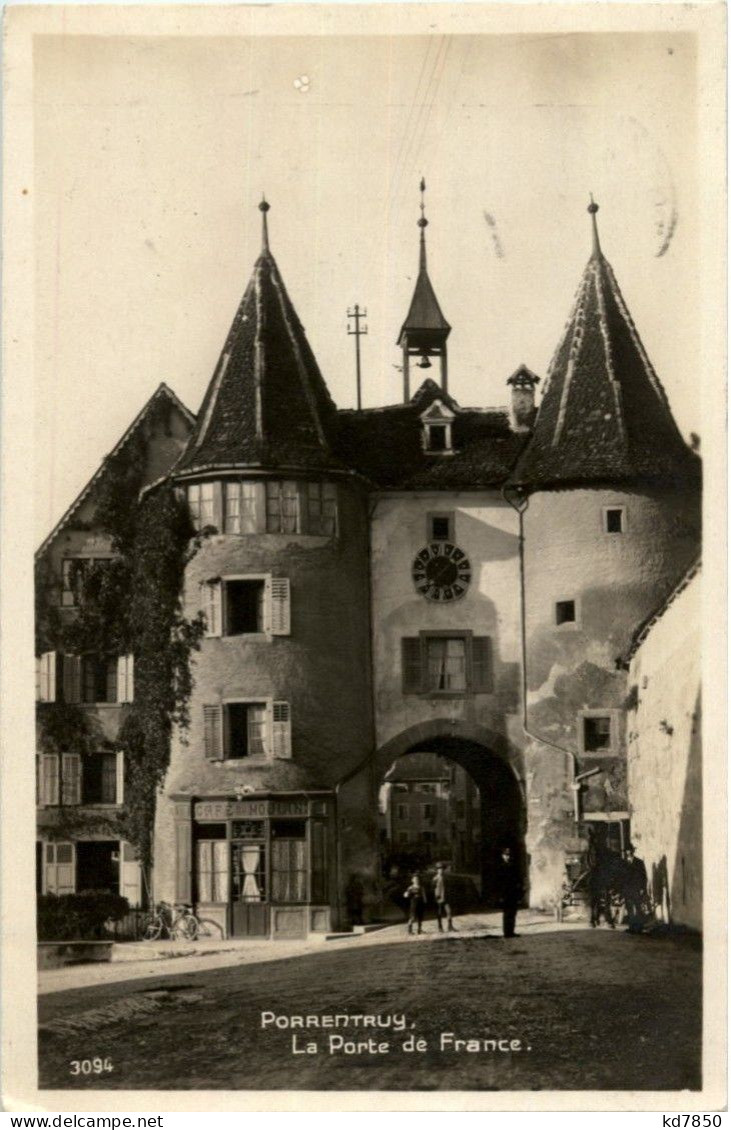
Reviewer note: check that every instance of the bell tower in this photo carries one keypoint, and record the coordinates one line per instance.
(424, 333)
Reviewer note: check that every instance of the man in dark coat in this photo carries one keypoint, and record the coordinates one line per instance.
(635, 890)
(510, 886)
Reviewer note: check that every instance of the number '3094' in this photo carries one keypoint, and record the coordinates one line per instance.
(95, 1066)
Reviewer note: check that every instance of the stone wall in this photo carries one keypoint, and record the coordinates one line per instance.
(664, 758)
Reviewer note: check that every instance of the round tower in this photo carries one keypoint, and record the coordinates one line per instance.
(609, 495)
(281, 705)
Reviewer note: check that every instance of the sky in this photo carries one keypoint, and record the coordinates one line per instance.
(151, 155)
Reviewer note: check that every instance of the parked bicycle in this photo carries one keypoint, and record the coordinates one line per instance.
(177, 922)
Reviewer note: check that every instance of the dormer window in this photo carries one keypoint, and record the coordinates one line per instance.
(437, 425)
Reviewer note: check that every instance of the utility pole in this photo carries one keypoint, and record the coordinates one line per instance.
(356, 313)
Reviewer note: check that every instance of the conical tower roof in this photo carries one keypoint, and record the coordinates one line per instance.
(604, 416)
(267, 404)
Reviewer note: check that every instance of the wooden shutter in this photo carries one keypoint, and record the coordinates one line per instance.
(281, 730)
(70, 778)
(65, 869)
(120, 776)
(212, 733)
(211, 606)
(411, 664)
(72, 678)
(49, 779)
(125, 678)
(279, 604)
(481, 665)
(130, 875)
(47, 677)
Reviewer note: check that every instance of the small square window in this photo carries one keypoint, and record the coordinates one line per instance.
(565, 612)
(614, 520)
(244, 607)
(439, 528)
(597, 733)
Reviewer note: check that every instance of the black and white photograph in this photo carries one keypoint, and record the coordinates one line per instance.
(372, 401)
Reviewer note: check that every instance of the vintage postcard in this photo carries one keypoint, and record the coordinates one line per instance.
(363, 521)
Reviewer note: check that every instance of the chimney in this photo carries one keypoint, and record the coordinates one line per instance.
(522, 402)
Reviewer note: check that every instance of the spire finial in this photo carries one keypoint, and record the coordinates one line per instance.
(422, 223)
(592, 210)
(264, 208)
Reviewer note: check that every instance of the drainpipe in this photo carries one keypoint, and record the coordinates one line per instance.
(520, 505)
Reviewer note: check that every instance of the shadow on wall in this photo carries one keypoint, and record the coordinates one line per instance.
(686, 886)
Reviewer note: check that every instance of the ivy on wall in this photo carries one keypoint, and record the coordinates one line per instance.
(129, 605)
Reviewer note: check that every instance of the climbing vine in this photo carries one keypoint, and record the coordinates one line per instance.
(131, 604)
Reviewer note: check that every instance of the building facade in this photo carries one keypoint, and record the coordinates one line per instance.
(420, 578)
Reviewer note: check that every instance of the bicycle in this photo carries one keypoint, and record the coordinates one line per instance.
(175, 922)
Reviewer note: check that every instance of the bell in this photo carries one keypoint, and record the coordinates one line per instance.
(425, 363)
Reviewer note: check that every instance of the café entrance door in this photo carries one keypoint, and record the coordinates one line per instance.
(249, 901)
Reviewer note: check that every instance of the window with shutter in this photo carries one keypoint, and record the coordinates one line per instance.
(212, 733)
(72, 678)
(482, 682)
(125, 678)
(281, 730)
(280, 606)
(47, 677)
(411, 665)
(211, 606)
(49, 779)
(70, 778)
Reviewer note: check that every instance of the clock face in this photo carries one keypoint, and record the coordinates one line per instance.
(441, 571)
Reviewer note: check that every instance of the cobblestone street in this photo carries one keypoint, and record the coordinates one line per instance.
(556, 1008)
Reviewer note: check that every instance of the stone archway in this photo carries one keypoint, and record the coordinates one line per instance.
(493, 765)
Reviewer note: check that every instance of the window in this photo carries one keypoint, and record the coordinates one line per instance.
(322, 509)
(614, 520)
(439, 527)
(200, 501)
(212, 872)
(597, 733)
(248, 875)
(565, 612)
(75, 570)
(98, 679)
(282, 508)
(428, 811)
(460, 808)
(246, 606)
(59, 868)
(429, 837)
(446, 663)
(289, 861)
(234, 730)
(241, 507)
(99, 778)
(245, 729)
(401, 811)
(436, 437)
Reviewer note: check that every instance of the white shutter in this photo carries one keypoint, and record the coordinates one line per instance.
(130, 874)
(211, 606)
(120, 776)
(60, 868)
(125, 678)
(47, 677)
(71, 778)
(49, 778)
(212, 733)
(279, 604)
(72, 678)
(281, 730)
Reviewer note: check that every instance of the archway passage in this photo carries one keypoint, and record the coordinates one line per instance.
(452, 799)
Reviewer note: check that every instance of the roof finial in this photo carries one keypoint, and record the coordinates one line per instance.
(592, 210)
(264, 208)
(422, 223)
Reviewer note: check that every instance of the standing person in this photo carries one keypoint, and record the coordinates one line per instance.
(511, 889)
(600, 862)
(415, 894)
(441, 896)
(635, 890)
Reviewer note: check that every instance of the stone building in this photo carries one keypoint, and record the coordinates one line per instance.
(415, 578)
(80, 792)
(664, 745)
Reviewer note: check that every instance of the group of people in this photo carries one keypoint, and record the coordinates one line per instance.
(622, 876)
(510, 888)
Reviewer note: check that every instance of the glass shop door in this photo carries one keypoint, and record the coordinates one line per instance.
(249, 895)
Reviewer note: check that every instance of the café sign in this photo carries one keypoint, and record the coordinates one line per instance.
(246, 809)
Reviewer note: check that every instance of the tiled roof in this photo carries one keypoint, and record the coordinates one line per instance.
(385, 445)
(161, 392)
(267, 404)
(604, 416)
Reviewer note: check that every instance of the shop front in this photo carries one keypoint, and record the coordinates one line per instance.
(258, 867)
